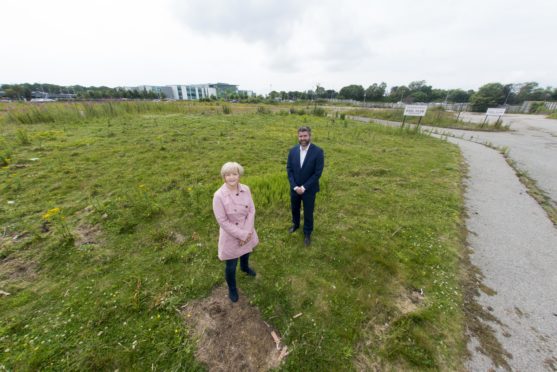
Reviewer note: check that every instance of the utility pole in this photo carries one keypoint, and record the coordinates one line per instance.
(508, 94)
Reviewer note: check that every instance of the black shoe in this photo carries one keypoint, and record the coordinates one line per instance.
(250, 272)
(307, 240)
(292, 229)
(233, 295)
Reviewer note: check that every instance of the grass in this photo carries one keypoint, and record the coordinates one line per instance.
(388, 225)
(435, 117)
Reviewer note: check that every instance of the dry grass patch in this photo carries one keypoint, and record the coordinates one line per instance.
(232, 336)
(86, 234)
(16, 273)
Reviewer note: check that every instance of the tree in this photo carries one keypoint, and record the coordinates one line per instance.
(376, 92)
(398, 93)
(320, 91)
(355, 92)
(331, 93)
(531, 91)
(419, 91)
(439, 95)
(418, 96)
(459, 95)
(489, 95)
(274, 94)
(553, 93)
(14, 91)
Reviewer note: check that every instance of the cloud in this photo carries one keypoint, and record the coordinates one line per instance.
(294, 35)
(291, 45)
(251, 20)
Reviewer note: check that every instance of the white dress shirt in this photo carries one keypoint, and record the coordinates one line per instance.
(303, 154)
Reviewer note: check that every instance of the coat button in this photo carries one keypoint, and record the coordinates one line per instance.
(234, 210)
(237, 194)
(246, 206)
(236, 223)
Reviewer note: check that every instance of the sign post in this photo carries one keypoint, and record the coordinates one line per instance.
(494, 112)
(414, 110)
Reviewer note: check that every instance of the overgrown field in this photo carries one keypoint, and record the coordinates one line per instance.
(434, 117)
(106, 228)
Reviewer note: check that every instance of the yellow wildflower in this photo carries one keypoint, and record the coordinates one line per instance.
(51, 212)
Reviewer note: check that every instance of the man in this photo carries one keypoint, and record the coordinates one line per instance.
(304, 167)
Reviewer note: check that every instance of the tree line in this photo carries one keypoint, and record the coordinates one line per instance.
(488, 95)
(25, 92)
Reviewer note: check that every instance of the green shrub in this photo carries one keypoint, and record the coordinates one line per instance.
(263, 110)
(295, 111)
(319, 111)
(22, 137)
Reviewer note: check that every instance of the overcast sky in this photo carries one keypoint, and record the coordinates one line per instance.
(279, 45)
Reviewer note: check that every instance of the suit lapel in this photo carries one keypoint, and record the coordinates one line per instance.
(297, 157)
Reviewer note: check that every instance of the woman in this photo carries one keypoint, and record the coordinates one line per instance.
(235, 214)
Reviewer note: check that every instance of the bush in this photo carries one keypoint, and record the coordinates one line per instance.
(294, 111)
(263, 110)
(226, 109)
(319, 111)
(22, 137)
(538, 108)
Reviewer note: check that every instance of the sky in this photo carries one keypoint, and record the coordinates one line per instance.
(278, 45)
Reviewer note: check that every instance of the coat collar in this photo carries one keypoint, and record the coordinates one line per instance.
(227, 191)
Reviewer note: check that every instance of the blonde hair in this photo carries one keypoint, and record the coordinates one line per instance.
(231, 167)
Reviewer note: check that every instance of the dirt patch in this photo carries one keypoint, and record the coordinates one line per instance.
(376, 331)
(477, 318)
(16, 271)
(177, 237)
(487, 290)
(232, 336)
(8, 239)
(87, 234)
(411, 301)
(551, 363)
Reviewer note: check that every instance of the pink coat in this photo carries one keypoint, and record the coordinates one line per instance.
(235, 214)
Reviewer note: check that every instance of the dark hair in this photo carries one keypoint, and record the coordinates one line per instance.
(304, 129)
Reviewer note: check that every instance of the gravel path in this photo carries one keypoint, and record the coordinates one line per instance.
(513, 242)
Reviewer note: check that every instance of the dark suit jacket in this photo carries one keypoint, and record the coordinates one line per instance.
(308, 175)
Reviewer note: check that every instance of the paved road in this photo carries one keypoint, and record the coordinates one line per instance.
(532, 144)
(514, 245)
(513, 242)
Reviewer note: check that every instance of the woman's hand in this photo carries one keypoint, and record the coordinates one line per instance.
(243, 242)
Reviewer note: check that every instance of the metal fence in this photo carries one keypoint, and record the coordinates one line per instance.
(524, 108)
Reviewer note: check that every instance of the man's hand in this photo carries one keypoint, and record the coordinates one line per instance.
(299, 190)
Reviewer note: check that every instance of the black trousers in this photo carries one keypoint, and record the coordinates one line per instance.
(230, 270)
(308, 199)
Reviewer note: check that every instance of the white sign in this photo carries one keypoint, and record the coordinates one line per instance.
(415, 110)
(495, 112)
